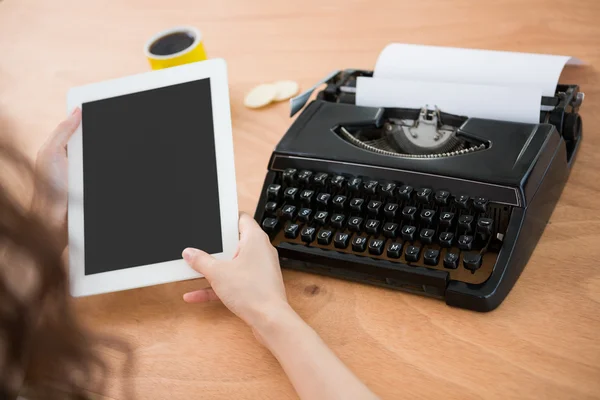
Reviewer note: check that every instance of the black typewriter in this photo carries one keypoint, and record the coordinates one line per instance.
(416, 199)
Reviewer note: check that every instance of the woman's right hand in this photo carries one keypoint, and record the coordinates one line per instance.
(250, 285)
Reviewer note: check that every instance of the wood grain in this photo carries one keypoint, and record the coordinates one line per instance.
(543, 342)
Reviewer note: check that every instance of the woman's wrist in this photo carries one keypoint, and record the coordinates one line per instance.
(273, 321)
(47, 212)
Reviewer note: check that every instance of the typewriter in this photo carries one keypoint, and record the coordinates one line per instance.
(417, 200)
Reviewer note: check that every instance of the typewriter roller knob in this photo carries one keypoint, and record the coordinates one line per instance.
(572, 126)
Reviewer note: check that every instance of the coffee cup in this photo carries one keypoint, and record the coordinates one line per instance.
(175, 46)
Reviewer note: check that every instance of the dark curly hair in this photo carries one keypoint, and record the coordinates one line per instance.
(44, 351)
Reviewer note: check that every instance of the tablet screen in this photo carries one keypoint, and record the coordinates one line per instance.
(150, 177)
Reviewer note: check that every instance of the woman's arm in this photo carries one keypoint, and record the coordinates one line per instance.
(314, 370)
(252, 287)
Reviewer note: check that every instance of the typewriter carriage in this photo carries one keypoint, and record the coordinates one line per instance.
(561, 110)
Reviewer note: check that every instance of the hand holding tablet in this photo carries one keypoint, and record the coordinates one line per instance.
(151, 172)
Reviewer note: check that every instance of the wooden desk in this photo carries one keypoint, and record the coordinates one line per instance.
(543, 342)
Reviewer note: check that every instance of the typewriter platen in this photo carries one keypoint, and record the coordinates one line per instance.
(416, 199)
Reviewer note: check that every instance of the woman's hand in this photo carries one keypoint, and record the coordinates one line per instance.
(250, 285)
(51, 165)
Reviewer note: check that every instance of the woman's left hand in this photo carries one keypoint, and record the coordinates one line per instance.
(51, 166)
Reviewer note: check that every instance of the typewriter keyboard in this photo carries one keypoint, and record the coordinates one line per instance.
(418, 226)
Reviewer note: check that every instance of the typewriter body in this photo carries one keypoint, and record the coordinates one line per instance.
(416, 199)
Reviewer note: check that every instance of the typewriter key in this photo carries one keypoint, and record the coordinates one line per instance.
(412, 253)
(405, 191)
(390, 210)
(372, 226)
(269, 224)
(451, 260)
(465, 242)
(341, 240)
(291, 230)
(390, 229)
(446, 239)
(308, 234)
(337, 220)
(324, 237)
(359, 243)
(472, 261)
(339, 201)
(394, 249)
(376, 246)
(431, 257)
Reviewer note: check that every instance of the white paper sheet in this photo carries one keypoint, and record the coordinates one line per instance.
(480, 101)
(484, 67)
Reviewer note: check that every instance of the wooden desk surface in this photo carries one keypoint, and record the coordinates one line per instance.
(543, 342)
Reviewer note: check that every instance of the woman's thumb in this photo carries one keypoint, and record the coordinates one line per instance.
(200, 261)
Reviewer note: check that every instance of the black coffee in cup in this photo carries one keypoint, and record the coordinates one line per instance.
(171, 44)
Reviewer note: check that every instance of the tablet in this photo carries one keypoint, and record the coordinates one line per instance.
(151, 172)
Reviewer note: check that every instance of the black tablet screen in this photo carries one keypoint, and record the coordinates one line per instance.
(150, 177)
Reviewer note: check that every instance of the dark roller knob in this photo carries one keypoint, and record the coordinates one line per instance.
(572, 126)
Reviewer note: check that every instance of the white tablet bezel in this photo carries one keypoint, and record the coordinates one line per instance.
(164, 272)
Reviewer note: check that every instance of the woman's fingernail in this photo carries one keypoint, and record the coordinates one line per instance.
(74, 111)
(188, 254)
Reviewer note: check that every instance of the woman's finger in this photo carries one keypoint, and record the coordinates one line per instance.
(246, 224)
(200, 261)
(63, 132)
(200, 296)
(251, 233)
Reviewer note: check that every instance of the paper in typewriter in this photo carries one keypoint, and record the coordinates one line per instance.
(476, 83)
